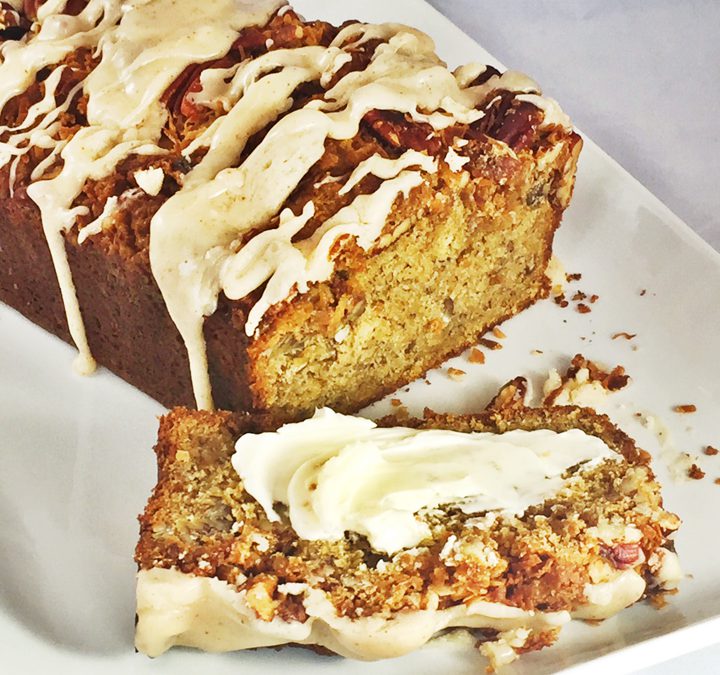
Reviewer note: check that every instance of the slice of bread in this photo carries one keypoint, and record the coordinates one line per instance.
(220, 571)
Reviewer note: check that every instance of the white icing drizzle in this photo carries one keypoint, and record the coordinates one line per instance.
(179, 609)
(58, 36)
(38, 129)
(264, 256)
(338, 473)
(455, 161)
(388, 168)
(195, 254)
(150, 180)
(151, 46)
(42, 107)
(214, 88)
(98, 224)
(92, 153)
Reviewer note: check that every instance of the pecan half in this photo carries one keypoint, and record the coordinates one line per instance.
(251, 42)
(508, 120)
(395, 130)
(518, 127)
(178, 95)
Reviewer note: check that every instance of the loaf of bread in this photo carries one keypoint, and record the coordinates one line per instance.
(227, 205)
(366, 540)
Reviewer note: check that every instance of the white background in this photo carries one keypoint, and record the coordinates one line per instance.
(639, 78)
(642, 79)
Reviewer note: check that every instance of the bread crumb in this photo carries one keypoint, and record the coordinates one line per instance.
(455, 373)
(395, 402)
(658, 601)
(583, 308)
(643, 292)
(505, 648)
(717, 481)
(594, 298)
(498, 333)
(685, 409)
(574, 277)
(696, 473)
(584, 383)
(537, 352)
(490, 344)
(710, 450)
(626, 336)
(476, 356)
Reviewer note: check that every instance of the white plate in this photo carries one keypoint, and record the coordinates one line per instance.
(77, 466)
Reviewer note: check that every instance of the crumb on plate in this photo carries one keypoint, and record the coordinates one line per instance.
(476, 356)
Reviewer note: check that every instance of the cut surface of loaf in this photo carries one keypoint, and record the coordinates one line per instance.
(368, 540)
(268, 213)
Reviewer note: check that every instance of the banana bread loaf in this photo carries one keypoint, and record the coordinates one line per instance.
(366, 540)
(228, 205)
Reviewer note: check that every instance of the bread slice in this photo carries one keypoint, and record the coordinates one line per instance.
(464, 245)
(221, 569)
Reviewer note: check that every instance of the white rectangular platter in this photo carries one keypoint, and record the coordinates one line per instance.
(77, 466)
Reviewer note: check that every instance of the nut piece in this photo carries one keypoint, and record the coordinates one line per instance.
(476, 356)
(622, 556)
(695, 472)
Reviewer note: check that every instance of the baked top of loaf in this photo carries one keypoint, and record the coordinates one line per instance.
(246, 150)
(433, 526)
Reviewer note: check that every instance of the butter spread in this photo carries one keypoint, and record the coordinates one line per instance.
(142, 47)
(336, 473)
